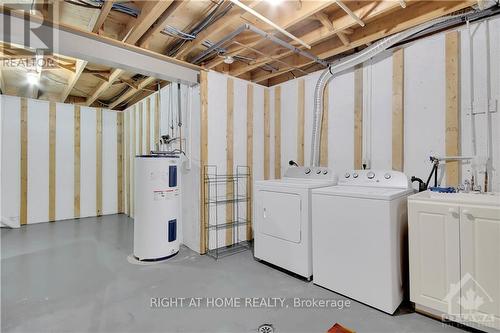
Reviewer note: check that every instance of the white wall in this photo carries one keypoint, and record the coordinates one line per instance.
(424, 107)
(38, 161)
(217, 141)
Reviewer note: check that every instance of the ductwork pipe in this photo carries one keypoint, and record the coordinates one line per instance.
(360, 57)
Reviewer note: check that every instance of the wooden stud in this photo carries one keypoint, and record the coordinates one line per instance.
(323, 154)
(127, 158)
(52, 161)
(229, 159)
(277, 132)
(398, 110)
(358, 117)
(157, 120)
(148, 125)
(98, 171)
(249, 230)
(452, 137)
(119, 160)
(203, 158)
(300, 122)
(267, 134)
(132, 160)
(141, 127)
(76, 162)
(23, 214)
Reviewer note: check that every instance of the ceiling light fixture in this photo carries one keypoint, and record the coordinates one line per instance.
(32, 78)
(228, 60)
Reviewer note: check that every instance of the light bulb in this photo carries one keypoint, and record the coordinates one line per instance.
(32, 78)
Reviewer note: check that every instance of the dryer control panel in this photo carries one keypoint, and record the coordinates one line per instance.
(376, 178)
(320, 173)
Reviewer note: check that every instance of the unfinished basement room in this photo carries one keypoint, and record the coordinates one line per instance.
(233, 166)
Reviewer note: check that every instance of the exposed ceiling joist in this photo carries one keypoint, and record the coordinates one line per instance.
(132, 91)
(115, 74)
(103, 14)
(350, 13)
(342, 24)
(325, 20)
(150, 12)
(80, 66)
(387, 25)
(159, 25)
(231, 17)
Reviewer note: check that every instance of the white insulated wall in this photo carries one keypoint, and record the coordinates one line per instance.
(424, 107)
(38, 161)
(217, 140)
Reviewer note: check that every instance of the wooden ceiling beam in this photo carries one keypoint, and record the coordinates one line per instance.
(420, 12)
(80, 66)
(350, 13)
(232, 17)
(132, 91)
(101, 88)
(160, 24)
(150, 12)
(103, 14)
(325, 20)
(342, 24)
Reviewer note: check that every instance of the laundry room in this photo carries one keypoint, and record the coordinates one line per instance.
(250, 166)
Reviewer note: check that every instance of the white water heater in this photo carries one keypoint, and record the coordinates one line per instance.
(157, 207)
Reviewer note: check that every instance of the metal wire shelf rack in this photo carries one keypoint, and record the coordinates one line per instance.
(224, 236)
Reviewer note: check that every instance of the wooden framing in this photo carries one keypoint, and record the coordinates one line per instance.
(119, 161)
(249, 231)
(76, 162)
(382, 26)
(103, 14)
(230, 158)
(452, 131)
(300, 121)
(23, 214)
(148, 125)
(157, 120)
(358, 117)
(98, 171)
(203, 159)
(398, 110)
(277, 132)
(267, 135)
(132, 159)
(141, 128)
(127, 159)
(52, 161)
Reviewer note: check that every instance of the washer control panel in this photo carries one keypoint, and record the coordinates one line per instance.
(310, 173)
(378, 178)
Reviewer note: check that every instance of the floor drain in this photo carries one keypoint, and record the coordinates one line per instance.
(266, 328)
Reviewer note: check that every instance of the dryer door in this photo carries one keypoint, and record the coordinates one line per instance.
(281, 212)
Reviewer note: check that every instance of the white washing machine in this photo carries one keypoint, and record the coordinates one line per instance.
(360, 237)
(282, 218)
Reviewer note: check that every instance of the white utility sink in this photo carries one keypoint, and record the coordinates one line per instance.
(491, 198)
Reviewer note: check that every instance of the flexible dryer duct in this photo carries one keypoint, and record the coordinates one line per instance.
(351, 61)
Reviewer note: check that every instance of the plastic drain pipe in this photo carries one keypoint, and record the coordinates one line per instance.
(349, 62)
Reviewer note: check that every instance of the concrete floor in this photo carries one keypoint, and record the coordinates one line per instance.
(74, 276)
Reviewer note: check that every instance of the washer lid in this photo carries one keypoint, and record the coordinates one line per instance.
(367, 192)
(296, 183)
